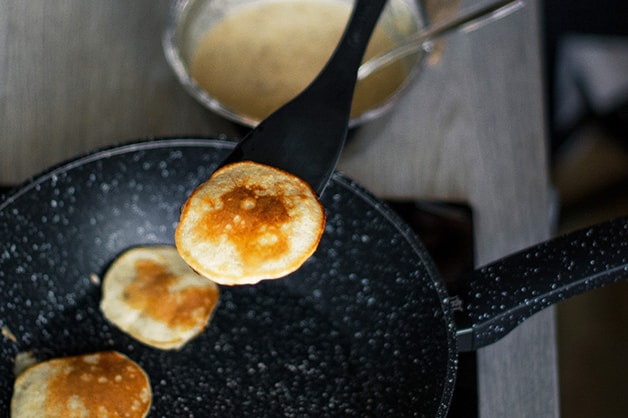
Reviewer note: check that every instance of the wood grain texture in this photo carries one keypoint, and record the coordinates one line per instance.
(472, 129)
(75, 75)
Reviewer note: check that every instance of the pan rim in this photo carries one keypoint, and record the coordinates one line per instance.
(105, 152)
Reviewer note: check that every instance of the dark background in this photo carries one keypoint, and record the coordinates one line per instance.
(589, 163)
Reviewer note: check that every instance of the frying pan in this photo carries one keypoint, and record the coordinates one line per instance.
(364, 328)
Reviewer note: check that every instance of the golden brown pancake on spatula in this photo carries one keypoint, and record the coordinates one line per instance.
(249, 222)
(151, 294)
(104, 384)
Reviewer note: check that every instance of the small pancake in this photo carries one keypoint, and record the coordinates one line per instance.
(151, 294)
(249, 222)
(105, 384)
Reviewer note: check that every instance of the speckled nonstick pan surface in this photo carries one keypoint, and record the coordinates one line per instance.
(364, 328)
(343, 336)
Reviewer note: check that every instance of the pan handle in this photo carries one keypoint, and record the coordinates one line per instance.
(496, 298)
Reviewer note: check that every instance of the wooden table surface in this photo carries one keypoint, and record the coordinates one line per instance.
(75, 75)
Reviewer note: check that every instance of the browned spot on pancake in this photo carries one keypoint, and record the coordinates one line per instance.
(249, 222)
(104, 384)
(252, 222)
(151, 293)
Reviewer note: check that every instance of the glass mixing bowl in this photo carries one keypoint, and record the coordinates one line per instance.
(242, 59)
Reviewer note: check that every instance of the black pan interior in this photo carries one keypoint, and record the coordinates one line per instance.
(360, 330)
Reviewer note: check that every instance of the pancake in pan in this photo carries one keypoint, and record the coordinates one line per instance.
(105, 384)
(151, 294)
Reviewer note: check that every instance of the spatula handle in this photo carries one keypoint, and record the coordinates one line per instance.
(306, 136)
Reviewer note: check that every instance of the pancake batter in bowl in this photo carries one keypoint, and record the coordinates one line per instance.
(264, 54)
